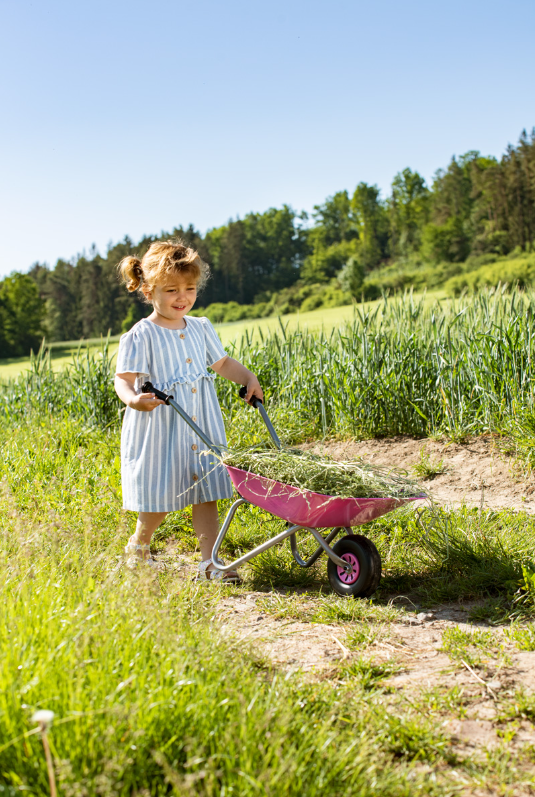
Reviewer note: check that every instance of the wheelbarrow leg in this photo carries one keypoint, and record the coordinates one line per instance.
(224, 528)
(218, 564)
(289, 532)
(316, 555)
(330, 553)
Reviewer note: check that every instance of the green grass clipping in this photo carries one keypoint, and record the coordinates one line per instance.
(353, 478)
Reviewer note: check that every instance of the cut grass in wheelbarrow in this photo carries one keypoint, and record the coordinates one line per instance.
(354, 566)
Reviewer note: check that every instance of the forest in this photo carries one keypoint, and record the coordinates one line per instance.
(354, 245)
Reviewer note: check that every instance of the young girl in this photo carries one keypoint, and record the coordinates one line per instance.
(163, 464)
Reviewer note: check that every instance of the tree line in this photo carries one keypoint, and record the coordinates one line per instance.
(476, 205)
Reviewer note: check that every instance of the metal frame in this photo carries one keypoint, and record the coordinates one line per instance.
(288, 532)
(184, 415)
(316, 555)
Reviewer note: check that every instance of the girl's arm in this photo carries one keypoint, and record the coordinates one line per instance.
(236, 372)
(124, 387)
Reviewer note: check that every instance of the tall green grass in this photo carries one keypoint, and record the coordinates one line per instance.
(83, 390)
(405, 367)
(438, 555)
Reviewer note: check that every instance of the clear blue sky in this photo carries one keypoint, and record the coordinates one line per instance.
(132, 117)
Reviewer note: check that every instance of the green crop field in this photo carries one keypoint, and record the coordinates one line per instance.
(406, 365)
(62, 353)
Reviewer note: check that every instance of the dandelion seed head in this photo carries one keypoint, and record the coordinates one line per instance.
(43, 717)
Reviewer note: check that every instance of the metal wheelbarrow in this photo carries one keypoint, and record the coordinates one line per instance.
(354, 566)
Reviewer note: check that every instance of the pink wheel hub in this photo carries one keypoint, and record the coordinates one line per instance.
(343, 575)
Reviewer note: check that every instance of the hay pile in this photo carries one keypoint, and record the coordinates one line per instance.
(321, 474)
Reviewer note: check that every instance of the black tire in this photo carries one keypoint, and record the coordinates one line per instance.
(376, 564)
(369, 561)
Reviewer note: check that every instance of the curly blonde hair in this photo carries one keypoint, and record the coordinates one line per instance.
(162, 260)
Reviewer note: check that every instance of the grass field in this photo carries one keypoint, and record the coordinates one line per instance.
(150, 698)
(62, 353)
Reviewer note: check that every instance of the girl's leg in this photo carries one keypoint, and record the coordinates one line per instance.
(206, 525)
(147, 523)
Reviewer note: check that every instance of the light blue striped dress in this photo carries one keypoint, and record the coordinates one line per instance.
(164, 465)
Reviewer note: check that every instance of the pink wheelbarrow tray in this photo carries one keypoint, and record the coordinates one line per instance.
(354, 566)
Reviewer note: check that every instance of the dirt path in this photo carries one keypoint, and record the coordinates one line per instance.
(478, 706)
(475, 471)
(413, 648)
(279, 628)
(414, 641)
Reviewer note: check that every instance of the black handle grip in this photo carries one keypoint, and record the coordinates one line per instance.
(148, 387)
(254, 402)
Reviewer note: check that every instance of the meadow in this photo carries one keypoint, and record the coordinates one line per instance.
(326, 319)
(150, 697)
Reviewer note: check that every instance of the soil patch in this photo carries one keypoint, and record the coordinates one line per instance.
(476, 474)
(413, 647)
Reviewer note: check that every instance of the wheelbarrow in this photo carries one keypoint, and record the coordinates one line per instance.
(354, 563)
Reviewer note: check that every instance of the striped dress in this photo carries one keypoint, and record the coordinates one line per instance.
(164, 465)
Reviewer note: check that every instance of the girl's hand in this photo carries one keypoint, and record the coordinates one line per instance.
(229, 368)
(125, 389)
(145, 402)
(253, 389)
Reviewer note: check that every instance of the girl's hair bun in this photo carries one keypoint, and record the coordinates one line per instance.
(162, 261)
(131, 272)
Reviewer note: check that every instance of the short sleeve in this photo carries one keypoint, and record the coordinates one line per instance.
(214, 347)
(132, 354)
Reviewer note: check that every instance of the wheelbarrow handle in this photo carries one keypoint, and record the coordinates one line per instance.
(253, 401)
(148, 387)
(257, 404)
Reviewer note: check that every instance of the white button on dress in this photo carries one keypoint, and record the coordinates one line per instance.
(164, 465)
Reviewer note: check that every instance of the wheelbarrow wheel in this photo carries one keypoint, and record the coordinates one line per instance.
(366, 561)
